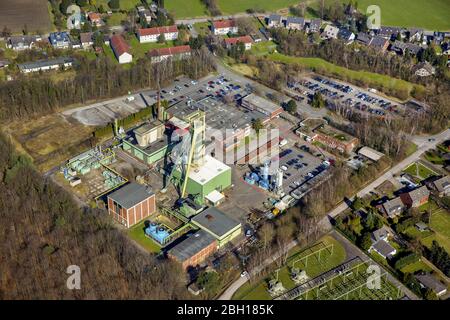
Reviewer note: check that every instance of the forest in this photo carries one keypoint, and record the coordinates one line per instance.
(94, 80)
(43, 232)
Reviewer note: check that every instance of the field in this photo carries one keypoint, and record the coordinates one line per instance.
(419, 170)
(235, 6)
(440, 224)
(258, 290)
(137, 234)
(49, 140)
(379, 81)
(18, 13)
(124, 4)
(431, 14)
(140, 49)
(263, 48)
(186, 8)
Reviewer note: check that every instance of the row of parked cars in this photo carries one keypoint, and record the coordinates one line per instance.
(338, 86)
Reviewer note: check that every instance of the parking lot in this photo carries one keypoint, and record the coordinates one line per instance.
(354, 98)
(301, 170)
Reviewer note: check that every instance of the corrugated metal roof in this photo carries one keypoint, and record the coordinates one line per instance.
(191, 246)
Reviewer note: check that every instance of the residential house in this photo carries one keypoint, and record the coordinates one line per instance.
(295, 23)
(246, 40)
(380, 44)
(401, 47)
(86, 40)
(179, 52)
(75, 43)
(314, 25)
(390, 33)
(384, 249)
(330, 32)
(346, 35)
(392, 208)
(144, 14)
(222, 27)
(274, 21)
(46, 65)
(363, 38)
(424, 69)
(131, 204)
(415, 34)
(381, 234)
(19, 43)
(60, 40)
(440, 185)
(152, 34)
(95, 19)
(430, 282)
(416, 197)
(121, 49)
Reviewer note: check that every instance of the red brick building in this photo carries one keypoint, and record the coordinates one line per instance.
(415, 198)
(131, 204)
(194, 250)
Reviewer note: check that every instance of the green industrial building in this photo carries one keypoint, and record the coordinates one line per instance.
(148, 143)
(218, 224)
(211, 175)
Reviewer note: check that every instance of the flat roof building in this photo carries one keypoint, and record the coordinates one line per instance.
(370, 153)
(45, 65)
(193, 250)
(131, 204)
(254, 102)
(218, 224)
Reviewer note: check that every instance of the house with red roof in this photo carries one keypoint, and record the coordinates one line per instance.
(246, 40)
(221, 27)
(152, 34)
(121, 49)
(178, 52)
(96, 19)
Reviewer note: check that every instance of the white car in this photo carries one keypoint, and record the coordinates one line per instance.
(244, 274)
(284, 168)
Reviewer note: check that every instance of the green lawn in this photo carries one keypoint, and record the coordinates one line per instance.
(139, 50)
(379, 81)
(137, 234)
(440, 224)
(186, 8)
(124, 4)
(202, 28)
(420, 171)
(416, 266)
(435, 157)
(262, 48)
(430, 14)
(116, 18)
(235, 6)
(258, 291)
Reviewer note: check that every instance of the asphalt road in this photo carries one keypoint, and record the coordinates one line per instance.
(423, 144)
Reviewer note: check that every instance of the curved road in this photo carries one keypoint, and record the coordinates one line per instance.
(423, 144)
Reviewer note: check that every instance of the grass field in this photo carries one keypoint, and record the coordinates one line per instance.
(258, 290)
(32, 13)
(235, 6)
(124, 4)
(416, 266)
(419, 170)
(137, 234)
(440, 224)
(186, 8)
(139, 50)
(430, 14)
(262, 48)
(379, 81)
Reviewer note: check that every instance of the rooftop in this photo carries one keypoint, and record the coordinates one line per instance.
(419, 193)
(268, 106)
(370, 153)
(215, 221)
(224, 24)
(384, 248)
(243, 39)
(191, 246)
(429, 281)
(393, 205)
(119, 45)
(170, 51)
(45, 63)
(157, 30)
(209, 170)
(131, 194)
(442, 184)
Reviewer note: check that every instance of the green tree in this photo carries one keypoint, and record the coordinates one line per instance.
(357, 203)
(365, 241)
(318, 101)
(210, 281)
(291, 106)
(161, 38)
(114, 4)
(82, 3)
(257, 125)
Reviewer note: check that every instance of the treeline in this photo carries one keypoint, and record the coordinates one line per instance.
(43, 232)
(99, 79)
(212, 7)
